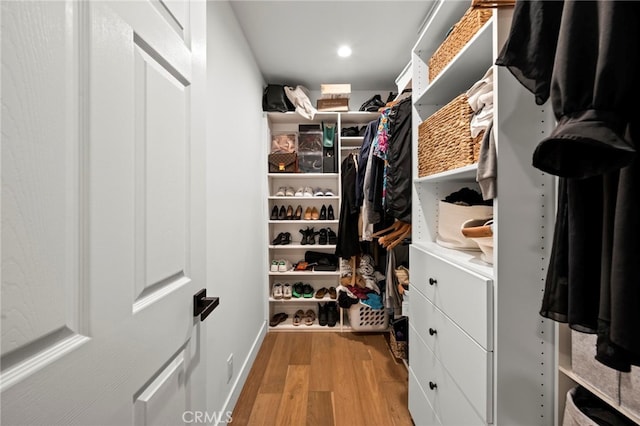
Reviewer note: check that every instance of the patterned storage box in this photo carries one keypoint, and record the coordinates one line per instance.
(363, 318)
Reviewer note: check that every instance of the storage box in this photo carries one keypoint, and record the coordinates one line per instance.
(583, 363)
(630, 390)
(335, 89)
(363, 318)
(337, 105)
(310, 162)
(444, 139)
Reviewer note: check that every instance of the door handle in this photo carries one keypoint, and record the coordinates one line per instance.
(203, 305)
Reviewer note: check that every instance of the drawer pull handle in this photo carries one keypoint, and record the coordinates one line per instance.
(432, 331)
(432, 386)
(433, 281)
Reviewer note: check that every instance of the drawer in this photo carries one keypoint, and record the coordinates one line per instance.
(468, 363)
(465, 297)
(419, 406)
(448, 401)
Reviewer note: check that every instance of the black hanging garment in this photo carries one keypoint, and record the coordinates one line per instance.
(398, 189)
(348, 240)
(585, 57)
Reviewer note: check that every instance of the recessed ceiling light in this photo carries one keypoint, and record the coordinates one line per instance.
(344, 51)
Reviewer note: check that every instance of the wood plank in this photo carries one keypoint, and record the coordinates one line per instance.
(293, 404)
(300, 348)
(397, 398)
(250, 390)
(264, 410)
(374, 408)
(347, 398)
(320, 409)
(388, 367)
(321, 375)
(276, 371)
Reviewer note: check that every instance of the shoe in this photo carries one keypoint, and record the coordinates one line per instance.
(298, 317)
(332, 313)
(282, 214)
(322, 314)
(332, 238)
(278, 318)
(315, 215)
(298, 214)
(305, 238)
(323, 213)
(297, 290)
(332, 293)
(322, 237)
(311, 236)
(317, 192)
(321, 293)
(288, 192)
(309, 317)
(289, 215)
(307, 192)
(284, 266)
(307, 214)
(307, 291)
(330, 215)
(299, 192)
(274, 265)
(286, 239)
(329, 193)
(286, 291)
(278, 239)
(274, 213)
(276, 291)
(281, 192)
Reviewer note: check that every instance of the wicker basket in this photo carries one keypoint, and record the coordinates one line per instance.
(462, 32)
(444, 139)
(398, 348)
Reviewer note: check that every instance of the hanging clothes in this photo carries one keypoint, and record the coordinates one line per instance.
(347, 244)
(585, 57)
(397, 197)
(363, 159)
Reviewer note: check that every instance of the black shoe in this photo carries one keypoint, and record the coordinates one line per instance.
(322, 314)
(282, 215)
(332, 238)
(278, 240)
(322, 237)
(332, 313)
(323, 213)
(274, 213)
(286, 239)
(305, 236)
(330, 215)
(311, 236)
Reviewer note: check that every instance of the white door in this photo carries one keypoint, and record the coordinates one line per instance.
(102, 212)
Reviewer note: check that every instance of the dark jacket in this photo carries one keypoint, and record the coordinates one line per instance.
(398, 189)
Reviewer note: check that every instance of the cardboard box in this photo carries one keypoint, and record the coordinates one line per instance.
(333, 105)
(335, 89)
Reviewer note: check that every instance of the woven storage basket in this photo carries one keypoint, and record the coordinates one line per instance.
(398, 348)
(462, 32)
(444, 139)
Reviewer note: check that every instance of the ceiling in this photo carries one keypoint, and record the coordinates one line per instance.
(295, 42)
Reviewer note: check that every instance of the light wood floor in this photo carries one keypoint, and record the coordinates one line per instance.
(318, 379)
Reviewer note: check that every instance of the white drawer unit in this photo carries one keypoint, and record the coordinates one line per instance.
(468, 363)
(419, 405)
(465, 297)
(448, 401)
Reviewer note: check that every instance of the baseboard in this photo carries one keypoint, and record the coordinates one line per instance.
(230, 403)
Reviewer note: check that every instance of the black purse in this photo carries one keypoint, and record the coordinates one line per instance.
(275, 100)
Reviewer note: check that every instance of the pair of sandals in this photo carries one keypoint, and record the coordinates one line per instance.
(307, 317)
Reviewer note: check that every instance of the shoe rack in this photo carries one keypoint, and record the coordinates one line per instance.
(286, 232)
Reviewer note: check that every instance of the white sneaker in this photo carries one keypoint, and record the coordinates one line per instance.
(286, 291)
(274, 265)
(317, 192)
(288, 192)
(308, 192)
(280, 192)
(329, 193)
(299, 192)
(284, 266)
(277, 291)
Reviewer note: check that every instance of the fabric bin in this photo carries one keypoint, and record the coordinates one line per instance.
(451, 217)
(630, 390)
(583, 363)
(363, 318)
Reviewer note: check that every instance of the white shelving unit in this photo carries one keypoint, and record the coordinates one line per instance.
(479, 353)
(294, 252)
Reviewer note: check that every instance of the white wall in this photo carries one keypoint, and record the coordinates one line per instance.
(236, 168)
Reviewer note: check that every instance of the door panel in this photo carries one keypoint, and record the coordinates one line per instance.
(101, 253)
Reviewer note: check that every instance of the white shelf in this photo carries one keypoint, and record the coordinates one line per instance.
(466, 259)
(295, 118)
(594, 390)
(305, 222)
(467, 67)
(443, 17)
(295, 300)
(357, 117)
(288, 327)
(461, 174)
(351, 141)
(301, 246)
(305, 273)
(303, 176)
(318, 198)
